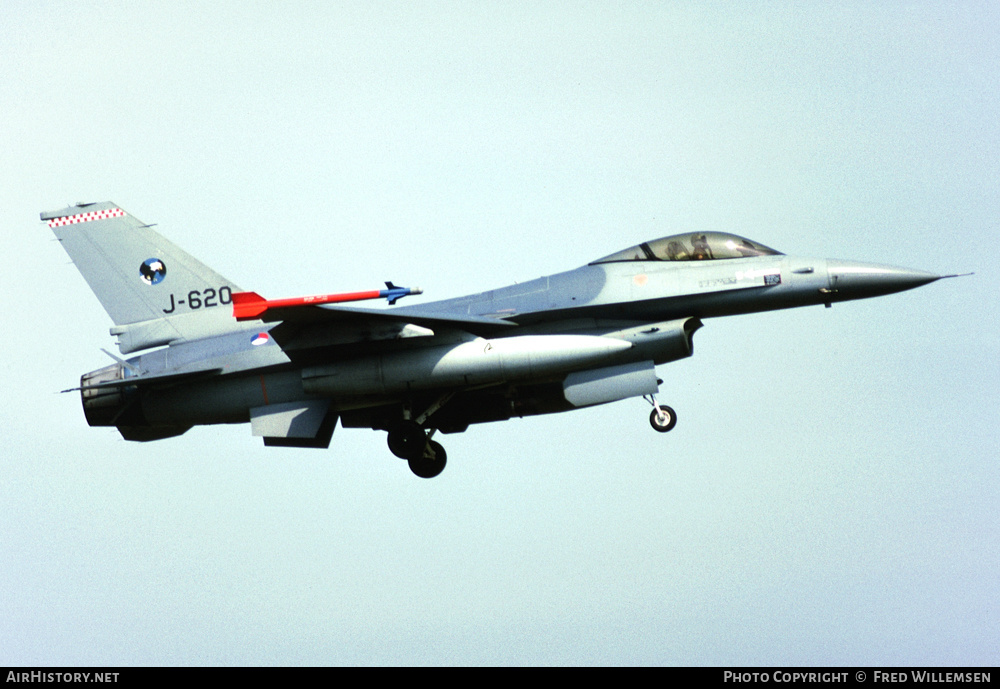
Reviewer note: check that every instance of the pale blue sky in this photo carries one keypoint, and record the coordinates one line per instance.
(830, 493)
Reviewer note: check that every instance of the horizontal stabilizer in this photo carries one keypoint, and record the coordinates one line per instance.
(148, 380)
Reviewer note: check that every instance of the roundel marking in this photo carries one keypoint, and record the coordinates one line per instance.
(152, 271)
(260, 339)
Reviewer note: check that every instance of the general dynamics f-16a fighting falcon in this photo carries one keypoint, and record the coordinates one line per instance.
(213, 353)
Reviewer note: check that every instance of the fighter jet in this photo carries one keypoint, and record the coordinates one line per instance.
(213, 353)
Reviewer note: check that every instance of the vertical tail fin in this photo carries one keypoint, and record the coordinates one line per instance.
(142, 278)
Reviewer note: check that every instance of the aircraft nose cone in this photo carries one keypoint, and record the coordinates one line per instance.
(856, 280)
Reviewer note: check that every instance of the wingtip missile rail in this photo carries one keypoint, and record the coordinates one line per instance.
(250, 305)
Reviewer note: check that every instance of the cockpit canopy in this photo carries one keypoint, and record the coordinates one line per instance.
(699, 246)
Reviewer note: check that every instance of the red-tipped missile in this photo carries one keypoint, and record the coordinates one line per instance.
(250, 305)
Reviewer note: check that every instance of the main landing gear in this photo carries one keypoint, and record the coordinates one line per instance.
(662, 418)
(408, 440)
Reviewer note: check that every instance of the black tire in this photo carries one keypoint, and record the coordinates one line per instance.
(654, 419)
(407, 439)
(431, 462)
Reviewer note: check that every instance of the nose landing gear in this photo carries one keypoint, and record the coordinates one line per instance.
(662, 418)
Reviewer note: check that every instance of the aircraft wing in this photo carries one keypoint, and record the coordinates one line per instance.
(308, 332)
(346, 315)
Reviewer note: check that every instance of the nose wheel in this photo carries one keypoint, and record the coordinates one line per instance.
(662, 418)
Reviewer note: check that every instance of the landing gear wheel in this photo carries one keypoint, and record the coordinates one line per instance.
(662, 418)
(407, 439)
(431, 462)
